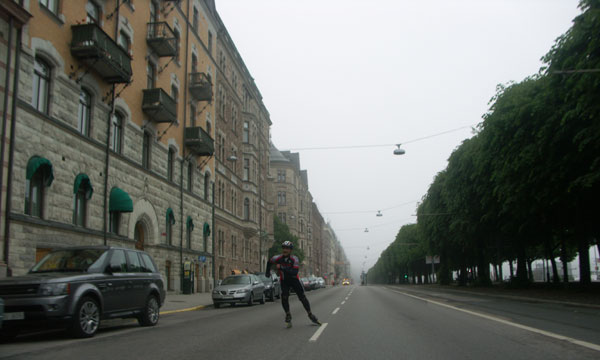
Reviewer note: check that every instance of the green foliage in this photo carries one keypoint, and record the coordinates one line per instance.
(282, 233)
(527, 184)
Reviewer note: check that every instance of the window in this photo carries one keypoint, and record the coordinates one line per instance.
(281, 176)
(190, 177)
(117, 132)
(114, 220)
(84, 112)
(282, 217)
(146, 150)
(175, 93)
(301, 226)
(169, 226)
(246, 133)
(170, 163)
(51, 5)
(80, 205)
(222, 147)
(177, 39)
(208, 126)
(192, 115)
(188, 237)
(221, 243)
(123, 41)
(246, 209)
(41, 85)
(151, 80)
(153, 12)
(246, 169)
(195, 20)
(34, 194)
(281, 198)
(210, 42)
(134, 263)
(206, 185)
(233, 247)
(118, 262)
(194, 63)
(93, 12)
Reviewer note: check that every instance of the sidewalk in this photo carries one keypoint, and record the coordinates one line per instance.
(179, 302)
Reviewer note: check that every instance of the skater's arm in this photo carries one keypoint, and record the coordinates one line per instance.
(271, 261)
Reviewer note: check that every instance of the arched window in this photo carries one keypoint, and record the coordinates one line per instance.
(169, 227)
(41, 85)
(82, 190)
(84, 113)
(39, 175)
(117, 132)
(246, 209)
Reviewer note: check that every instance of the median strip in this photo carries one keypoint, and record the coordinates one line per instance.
(582, 343)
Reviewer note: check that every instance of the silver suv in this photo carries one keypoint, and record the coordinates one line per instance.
(77, 287)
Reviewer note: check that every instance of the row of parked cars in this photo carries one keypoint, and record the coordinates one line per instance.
(312, 283)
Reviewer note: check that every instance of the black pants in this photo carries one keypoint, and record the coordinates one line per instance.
(295, 284)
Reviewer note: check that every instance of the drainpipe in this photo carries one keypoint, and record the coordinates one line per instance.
(107, 155)
(213, 235)
(5, 119)
(13, 120)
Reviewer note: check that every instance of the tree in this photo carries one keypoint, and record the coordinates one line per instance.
(282, 233)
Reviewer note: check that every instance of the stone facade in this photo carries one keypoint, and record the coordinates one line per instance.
(54, 134)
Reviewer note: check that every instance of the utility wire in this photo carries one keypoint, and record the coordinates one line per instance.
(370, 211)
(378, 145)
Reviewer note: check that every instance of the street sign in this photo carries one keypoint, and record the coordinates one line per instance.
(436, 259)
(202, 258)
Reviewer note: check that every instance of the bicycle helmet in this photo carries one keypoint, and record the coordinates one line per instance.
(287, 244)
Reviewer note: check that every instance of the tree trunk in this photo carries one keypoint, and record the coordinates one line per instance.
(583, 247)
(500, 272)
(555, 278)
(521, 267)
(563, 259)
(530, 270)
(512, 270)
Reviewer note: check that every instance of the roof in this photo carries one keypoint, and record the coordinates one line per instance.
(277, 156)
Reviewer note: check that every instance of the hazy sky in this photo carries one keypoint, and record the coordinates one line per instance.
(356, 72)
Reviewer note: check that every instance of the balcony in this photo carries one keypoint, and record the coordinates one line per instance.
(91, 45)
(201, 86)
(199, 141)
(161, 39)
(159, 106)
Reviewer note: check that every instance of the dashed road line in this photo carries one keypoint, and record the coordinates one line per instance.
(335, 311)
(318, 333)
(582, 343)
(343, 302)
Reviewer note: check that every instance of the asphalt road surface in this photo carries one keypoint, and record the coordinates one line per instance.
(373, 322)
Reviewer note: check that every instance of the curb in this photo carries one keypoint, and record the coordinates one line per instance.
(184, 310)
(523, 298)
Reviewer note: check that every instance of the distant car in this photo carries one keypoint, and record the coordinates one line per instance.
(78, 287)
(321, 282)
(272, 286)
(236, 289)
(346, 282)
(306, 284)
(314, 283)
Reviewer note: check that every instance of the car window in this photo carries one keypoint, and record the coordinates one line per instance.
(147, 263)
(74, 260)
(236, 280)
(118, 262)
(134, 264)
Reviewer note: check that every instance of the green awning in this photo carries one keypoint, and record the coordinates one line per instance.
(120, 201)
(170, 216)
(190, 223)
(42, 164)
(83, 180)
(206, 229)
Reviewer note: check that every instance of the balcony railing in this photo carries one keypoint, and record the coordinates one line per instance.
(159, 106)
(199, 141)
(161, 39)
(99, 51)
(201, 86)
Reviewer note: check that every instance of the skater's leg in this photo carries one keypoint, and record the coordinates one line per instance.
(285, 297)
(301, 296)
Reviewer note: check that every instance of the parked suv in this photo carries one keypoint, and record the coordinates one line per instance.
(78, 287)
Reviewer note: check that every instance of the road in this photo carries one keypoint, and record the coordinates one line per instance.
(373, 322)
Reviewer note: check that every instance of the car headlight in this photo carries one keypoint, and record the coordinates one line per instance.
(55, 289)
(268, 286)
(242, 291)
(215, 292)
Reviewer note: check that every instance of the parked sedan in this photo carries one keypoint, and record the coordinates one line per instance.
(272, 286)
(321, 282)
(234, 289)
(77, 287)
(306, 284)
(314, 283)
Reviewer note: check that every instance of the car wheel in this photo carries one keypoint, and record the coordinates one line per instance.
(262, 299)
(217, 305)
(151, 312)
(251, 300)
(86, 319)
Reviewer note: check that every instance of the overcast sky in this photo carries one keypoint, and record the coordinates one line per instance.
(356, 72)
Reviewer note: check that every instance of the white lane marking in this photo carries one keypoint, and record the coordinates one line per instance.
(346, 298)
(318, 333)
(343, 302)
(509, 323)
(335, 311)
